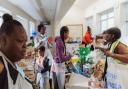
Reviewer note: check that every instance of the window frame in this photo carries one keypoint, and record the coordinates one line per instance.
(107, 13)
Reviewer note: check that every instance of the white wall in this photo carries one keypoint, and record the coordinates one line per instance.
(50, 29)
(62, 7)
(95, 9)
(74, 16)
(102, 5)
(78, 15)
(16, 11)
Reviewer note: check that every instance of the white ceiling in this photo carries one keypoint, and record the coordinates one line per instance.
(83, 4)
(48, 10)
(27, 7)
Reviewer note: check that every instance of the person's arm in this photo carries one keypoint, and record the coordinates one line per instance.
(60, 52)
(121, 53)
(37, 42)
(46, 65)
(46, 69)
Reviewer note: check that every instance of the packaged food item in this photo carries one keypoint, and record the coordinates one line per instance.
(99, 69)
(94, 83)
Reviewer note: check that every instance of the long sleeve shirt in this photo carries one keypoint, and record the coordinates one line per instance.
(87, 38)
(60, 57)
(41, 40)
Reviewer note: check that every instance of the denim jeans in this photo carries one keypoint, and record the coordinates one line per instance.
(59, 80)
(42, 80)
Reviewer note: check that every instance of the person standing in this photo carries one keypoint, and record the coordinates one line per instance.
(87, 39)
(117, 49)
(116, 59)
(12, 49)
(60, 58)
(42, 40)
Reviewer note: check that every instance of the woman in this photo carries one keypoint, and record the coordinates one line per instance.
(87, 39)
(116, 60)
(60, 58)
(12, 49)
(41, 38)
(117, 49)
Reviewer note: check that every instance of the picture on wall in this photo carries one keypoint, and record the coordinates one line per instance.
(75, 32)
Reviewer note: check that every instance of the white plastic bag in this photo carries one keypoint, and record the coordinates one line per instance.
(77, 81)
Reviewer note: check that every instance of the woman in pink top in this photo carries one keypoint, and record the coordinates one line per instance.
(60, 58)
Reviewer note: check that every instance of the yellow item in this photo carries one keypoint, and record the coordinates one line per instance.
(74, 59)
(81, 46)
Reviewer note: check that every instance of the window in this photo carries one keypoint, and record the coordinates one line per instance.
(106, 20)
(32, 29)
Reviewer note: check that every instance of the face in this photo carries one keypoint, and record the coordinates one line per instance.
(42, 31)
(108, 37)
(41, 53)
(15, 44)
(66, 35)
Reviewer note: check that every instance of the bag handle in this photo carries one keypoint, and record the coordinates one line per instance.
(106, 66)
(105, 69)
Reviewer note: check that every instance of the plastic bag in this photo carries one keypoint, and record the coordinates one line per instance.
(77, 81)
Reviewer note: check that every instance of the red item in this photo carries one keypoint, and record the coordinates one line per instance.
(87, 39)
(50, 39)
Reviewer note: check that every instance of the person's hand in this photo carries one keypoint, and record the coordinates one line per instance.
(69, 54)
(107, 52)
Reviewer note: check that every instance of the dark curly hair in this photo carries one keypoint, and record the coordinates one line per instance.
(41, 26)
(114, 31)
(63, 30)
(8, 24)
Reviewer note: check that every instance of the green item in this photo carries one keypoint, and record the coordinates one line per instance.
(84, 51)
(30, 44)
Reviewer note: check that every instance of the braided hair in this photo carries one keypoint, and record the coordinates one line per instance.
(63, 30)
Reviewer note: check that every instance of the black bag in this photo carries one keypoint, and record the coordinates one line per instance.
(46, 66)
